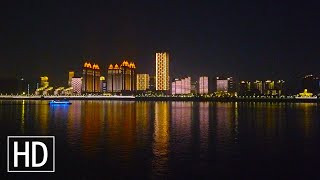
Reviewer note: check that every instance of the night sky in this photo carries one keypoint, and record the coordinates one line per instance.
(245, 39)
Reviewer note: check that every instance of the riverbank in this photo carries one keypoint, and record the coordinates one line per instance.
(139, 98)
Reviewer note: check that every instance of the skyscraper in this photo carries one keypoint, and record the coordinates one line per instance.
(91, 78)
(162, 71)
(222, 85)
(121, 78)
(269, 88)
(96, 78)
(143, 82)
(258, 86)
(203, 85)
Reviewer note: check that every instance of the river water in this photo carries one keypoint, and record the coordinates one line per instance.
(175, 140)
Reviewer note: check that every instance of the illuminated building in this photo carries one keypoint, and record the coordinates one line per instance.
(91, 78)
(44, 81)
(44, 89)
(203, 85)
(103, 84)
(181, 86)
(258, 85)
(96, 78)
(87, 75)
(143, 82)
(222, 85)
(269, 88)
(121, 78)
(311, 83)
(76, 84)
(162, 72)
(71, 75)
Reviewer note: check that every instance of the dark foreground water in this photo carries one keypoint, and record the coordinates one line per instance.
(176, 140)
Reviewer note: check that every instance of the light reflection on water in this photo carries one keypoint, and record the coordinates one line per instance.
(169, 139)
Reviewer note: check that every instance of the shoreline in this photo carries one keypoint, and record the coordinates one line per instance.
(191, 99)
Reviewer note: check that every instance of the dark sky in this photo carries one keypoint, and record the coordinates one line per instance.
(246, 39)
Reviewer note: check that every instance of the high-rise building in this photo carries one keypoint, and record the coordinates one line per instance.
(121, 78)
(162, 71)
(91, 78)
(87, 75)
(143, 82)
(203, 85)
(222, 84)
(269, 88)
(181, 86)
(96, 78)
(258, 86)
(76, 84)
(71, 75)
(103, 84)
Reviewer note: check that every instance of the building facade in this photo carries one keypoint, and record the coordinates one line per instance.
(222, 84)
(76, 84)
(203, 85)
(181, 86)
(121, 78)
(143, 82)
(91, 78)
(162, 72)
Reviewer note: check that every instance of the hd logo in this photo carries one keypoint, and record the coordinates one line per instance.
(31, 154)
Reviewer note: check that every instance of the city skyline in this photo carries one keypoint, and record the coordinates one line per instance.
(212, 38)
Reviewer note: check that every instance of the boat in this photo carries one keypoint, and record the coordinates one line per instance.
(62, 102)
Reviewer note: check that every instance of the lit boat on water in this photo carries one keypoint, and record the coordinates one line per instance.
(58, 102)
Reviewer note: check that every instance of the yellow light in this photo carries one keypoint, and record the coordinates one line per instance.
(162, 71)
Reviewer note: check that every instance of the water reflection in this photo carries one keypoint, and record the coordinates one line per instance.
(160, 144)
(22, 116)
(204, 125)
(42, 117)
(157, 137)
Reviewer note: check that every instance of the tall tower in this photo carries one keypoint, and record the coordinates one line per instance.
(96, 78)
(87, 75)
(121, 78)
(162, 71)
